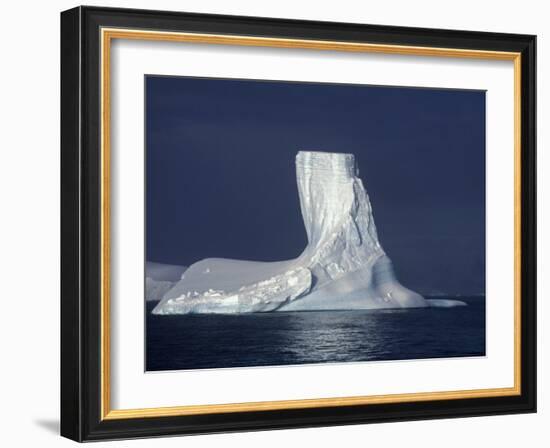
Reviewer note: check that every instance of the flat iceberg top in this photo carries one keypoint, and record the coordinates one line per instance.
(325, 155)
(326, 163)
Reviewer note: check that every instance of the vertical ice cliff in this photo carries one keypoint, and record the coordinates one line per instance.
(342, 267)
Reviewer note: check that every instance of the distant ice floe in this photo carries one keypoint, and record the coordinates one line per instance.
(343, 266)
(160, 278)
(445, 303)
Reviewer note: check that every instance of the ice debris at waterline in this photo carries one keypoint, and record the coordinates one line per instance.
(343, 266)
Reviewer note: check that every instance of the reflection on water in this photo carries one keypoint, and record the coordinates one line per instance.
(215, 341)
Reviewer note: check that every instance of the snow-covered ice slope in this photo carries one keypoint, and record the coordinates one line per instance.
(342, 267)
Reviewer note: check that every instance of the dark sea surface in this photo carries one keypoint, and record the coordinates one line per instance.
(178, 342)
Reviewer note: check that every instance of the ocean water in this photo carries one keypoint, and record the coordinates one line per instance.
(267, 339)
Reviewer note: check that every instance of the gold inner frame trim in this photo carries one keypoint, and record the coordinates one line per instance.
(107, 35)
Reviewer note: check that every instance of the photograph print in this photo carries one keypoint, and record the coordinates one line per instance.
(292, 223)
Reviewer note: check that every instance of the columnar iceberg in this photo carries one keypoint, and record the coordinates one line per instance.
(342, 267)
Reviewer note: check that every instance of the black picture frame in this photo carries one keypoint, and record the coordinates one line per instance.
(81, 379)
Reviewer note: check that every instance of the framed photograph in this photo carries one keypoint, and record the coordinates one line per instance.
(272, 223)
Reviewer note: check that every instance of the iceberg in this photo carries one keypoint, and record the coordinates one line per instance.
(343, 266)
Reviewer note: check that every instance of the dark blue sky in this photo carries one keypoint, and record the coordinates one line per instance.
(221, 180)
